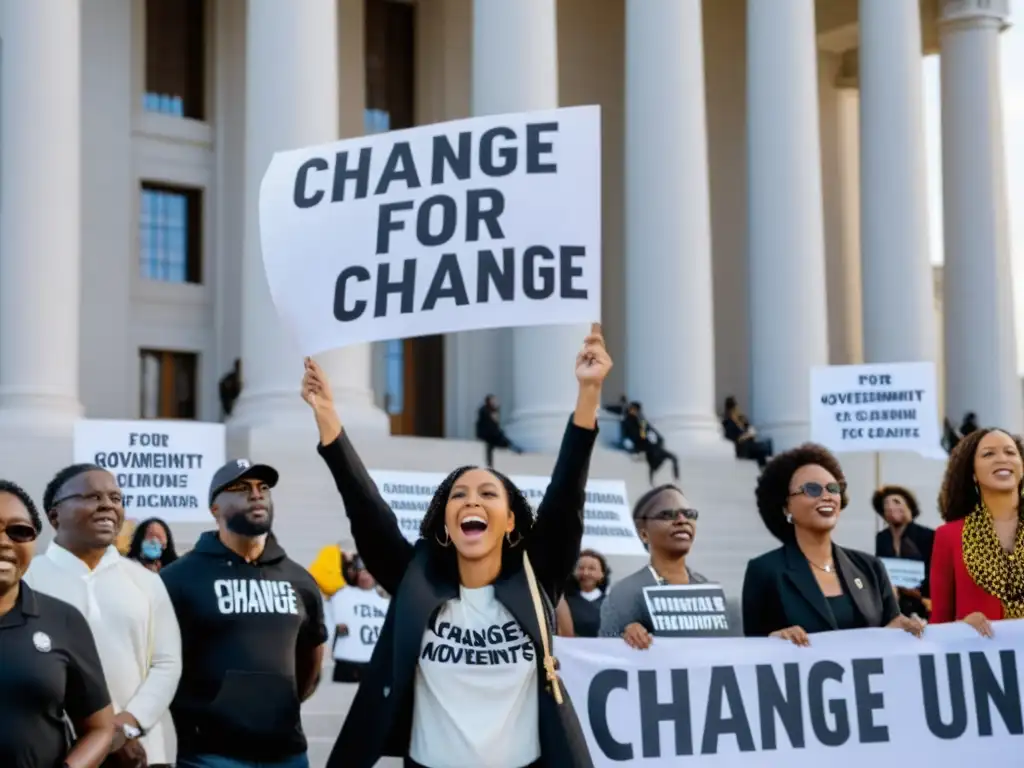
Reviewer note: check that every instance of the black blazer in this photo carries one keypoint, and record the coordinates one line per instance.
(780, 591)
(916, 544)
(379, 723)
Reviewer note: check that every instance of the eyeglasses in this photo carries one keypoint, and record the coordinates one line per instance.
(94, 499)
(814, 490)
(20, 533)
(670, 515)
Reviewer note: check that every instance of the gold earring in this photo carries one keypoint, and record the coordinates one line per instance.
(447, 538)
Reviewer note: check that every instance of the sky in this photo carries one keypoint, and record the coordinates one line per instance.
(1013, 106)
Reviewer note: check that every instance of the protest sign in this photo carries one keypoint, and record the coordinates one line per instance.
(877, 697)
(908, 574)
(687, 610)
(164, 468)
(879, 407)
(607, 519)
(489, 222)
(362, 611)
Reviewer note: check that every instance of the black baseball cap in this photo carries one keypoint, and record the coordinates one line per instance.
(240, 469)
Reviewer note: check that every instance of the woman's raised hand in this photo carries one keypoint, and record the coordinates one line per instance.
(593, 361)
(316, 390)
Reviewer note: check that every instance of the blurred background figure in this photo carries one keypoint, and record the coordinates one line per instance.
(152, 544)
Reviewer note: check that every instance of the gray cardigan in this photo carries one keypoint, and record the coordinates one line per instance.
(625, 602)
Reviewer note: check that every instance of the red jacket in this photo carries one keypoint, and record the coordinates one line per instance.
(954, 593)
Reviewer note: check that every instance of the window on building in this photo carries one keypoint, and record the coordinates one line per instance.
(167, 384)
(176, 58)
(170, 234)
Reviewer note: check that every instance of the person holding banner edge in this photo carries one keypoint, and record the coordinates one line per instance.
(810, 584)
(977, 568)
(462, 673)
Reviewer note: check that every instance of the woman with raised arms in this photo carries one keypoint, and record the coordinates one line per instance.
(461, 676)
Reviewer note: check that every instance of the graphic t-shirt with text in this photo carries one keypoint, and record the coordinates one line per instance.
(476, 688)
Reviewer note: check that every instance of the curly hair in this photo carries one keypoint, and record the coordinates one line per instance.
(61, 479)
(879, 497)
(432, 527)
(606, 572)
(6, 486)
(959, 493)
(773, 486)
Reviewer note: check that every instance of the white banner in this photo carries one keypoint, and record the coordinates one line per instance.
(362, 612)
(870, 697)
(607, 518)
(164, 468)
(489, 222)
(878, 407)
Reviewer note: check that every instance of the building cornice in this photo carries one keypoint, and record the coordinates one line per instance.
(974, 11)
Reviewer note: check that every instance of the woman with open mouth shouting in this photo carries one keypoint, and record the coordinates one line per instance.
(462, 675)
(811, 584)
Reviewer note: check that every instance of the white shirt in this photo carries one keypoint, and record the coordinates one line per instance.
(136, 634)
(476, 688)
(363, 611)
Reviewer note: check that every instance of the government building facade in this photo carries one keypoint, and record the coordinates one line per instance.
(764, 201)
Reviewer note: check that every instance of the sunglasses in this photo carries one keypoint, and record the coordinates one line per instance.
(670, 515)
(20, 533)
(814, 490)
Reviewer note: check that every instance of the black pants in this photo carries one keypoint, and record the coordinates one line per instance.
(656, 456)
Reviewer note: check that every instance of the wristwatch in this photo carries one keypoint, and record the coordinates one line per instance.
(130, 731)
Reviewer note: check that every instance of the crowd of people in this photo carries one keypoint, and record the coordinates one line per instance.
(203, 660)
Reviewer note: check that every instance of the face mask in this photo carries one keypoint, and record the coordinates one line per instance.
(152, 549)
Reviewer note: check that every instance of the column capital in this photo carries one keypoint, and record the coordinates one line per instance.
(975, 11)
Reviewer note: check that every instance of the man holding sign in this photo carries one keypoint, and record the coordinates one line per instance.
(359, 609)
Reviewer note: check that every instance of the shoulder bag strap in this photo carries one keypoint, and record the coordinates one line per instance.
(550, 671)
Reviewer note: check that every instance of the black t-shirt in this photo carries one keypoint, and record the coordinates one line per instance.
(586, 614)
(48, 666)
(243, 625)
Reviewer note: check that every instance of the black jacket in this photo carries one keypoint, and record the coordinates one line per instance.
(379, 721)
(780, 591)
(243, 627)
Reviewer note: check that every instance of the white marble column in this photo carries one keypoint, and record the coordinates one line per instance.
(40, 213)
(291, 101)
(670, 352)
(515, 69)
(898, 299)
(981, 350)
(786, 239)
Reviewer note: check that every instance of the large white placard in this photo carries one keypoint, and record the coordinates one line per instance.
(870, 697)
(608, 521)
(362, 611)
(878, 407)
(164, 468)
(489, 222)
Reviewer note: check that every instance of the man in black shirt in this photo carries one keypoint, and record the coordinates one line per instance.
(252, 632)
(48, 660)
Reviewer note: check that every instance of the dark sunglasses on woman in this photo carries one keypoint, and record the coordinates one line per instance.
(814, 490)
(20, 533)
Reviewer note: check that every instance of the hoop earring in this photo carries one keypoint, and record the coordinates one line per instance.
(447, 538)
(508, 538)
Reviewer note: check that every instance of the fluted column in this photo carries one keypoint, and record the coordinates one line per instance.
(898, 298)
(40, 214)
(786, 239)
(669, 315)
(291, 102)
(515, 69)
(981, 347)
